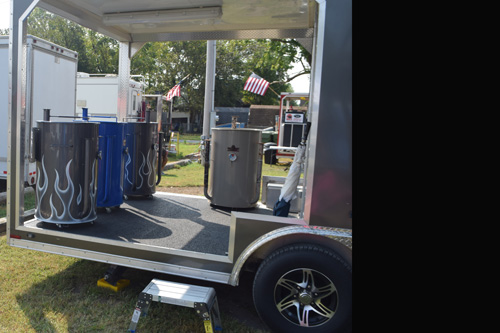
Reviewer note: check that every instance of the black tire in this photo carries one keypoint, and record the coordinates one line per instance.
(281, 281)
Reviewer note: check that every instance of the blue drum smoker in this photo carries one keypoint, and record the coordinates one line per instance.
(110, 167)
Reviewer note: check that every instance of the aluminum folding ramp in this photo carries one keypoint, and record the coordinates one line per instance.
(202, 299)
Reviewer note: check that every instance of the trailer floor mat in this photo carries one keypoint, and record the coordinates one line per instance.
(169, 220)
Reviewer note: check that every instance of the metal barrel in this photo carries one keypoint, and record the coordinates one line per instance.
(235, 167)
(110, 166)
(66, 172)
(141, 164)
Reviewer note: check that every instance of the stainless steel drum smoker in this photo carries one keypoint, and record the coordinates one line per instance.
(233, 177)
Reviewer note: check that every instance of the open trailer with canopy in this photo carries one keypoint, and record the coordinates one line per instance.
(312, 251)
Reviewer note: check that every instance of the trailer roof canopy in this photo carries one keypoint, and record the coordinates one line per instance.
(162, 20)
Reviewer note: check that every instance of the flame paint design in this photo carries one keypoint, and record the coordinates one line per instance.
(41, 189)
(141, 171)
(126, 169)
(65, 215)
(145, 164)
(65, 196)
(79, 198)
(92, 193)
(150, 173)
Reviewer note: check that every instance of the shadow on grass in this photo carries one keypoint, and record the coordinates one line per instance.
(71, 301)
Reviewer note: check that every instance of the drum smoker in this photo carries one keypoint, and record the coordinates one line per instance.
(66, 155)
(232, 178)
(143, 159)
(110, 167)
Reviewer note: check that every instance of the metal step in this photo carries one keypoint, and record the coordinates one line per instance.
(202, 299)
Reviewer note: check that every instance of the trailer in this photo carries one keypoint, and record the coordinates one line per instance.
(302, 263)
(99, 94)
(50, 84)
(291, 124)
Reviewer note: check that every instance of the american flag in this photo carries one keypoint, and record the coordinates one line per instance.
(175, 91)
(256, 84)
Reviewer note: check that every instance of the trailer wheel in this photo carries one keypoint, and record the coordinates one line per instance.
(304, 288)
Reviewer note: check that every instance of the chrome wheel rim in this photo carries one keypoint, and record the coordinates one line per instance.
(306, 297)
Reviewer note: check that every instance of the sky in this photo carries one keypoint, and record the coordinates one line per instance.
(300, 84)
(4, 14)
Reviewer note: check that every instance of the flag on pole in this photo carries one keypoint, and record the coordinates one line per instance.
(256, 84)
(175, 91)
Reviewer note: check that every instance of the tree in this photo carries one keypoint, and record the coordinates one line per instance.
(101, 53)
(270, 64)
(163, 64)
(96, 52)
(292, 49)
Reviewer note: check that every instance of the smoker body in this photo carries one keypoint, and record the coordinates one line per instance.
(140, 170)
(66, 156)
(235, 167)
(110, 166)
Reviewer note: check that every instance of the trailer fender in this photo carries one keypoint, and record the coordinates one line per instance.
(337, 239)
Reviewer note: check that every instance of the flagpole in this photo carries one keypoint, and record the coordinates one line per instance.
(185, 77)
(170, 116)
(274, 91)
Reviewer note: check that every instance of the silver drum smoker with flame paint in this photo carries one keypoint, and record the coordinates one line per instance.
(66, 156)
(141, 169)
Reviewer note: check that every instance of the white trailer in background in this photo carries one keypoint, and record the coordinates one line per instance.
(99, 94)
(50, 84)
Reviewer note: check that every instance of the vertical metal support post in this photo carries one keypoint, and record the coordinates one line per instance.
(209, 88)
(159, 111)
(328, 198)
(126, 52)
(209, 92)
(19, 12)
(123, 81)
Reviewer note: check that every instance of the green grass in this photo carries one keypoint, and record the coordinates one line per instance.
(183, 150)
(188, 175)
(192, 174)
(189, 137)
(44, 292)
(29, 203)
(280, 170)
